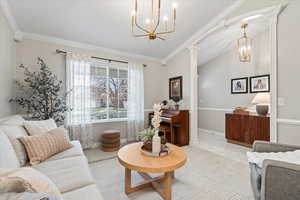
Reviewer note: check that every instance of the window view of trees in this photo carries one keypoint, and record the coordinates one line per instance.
(109, 86)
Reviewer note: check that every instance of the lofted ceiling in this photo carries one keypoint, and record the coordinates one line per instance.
(106, 23)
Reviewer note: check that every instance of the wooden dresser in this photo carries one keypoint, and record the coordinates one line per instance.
(244, 129)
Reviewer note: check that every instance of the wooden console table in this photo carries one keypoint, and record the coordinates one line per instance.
(244, 129)
(131, 158)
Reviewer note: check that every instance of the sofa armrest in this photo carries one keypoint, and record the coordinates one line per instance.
(263, 146)
(280, 180)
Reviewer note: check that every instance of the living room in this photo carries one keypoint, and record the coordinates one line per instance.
(196, 97)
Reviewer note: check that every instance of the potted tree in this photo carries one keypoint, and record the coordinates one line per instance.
(40, 94)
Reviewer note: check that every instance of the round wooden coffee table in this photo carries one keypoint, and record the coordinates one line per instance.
(131, 158)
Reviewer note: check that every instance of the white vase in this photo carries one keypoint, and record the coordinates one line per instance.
(156, 144)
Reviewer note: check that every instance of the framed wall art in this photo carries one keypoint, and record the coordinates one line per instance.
(239, 85)
(260, 83)
(175, 87)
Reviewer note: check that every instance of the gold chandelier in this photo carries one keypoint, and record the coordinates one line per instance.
(153, 18)
(245, 46)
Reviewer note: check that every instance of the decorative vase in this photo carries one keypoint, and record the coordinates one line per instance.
(148, 145)
(177, 107)
(262, 109)
(156, 144)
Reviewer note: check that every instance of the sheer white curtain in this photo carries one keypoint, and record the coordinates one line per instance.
(135, 107)
(78, 81)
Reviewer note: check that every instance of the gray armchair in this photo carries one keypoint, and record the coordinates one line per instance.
(276, 180)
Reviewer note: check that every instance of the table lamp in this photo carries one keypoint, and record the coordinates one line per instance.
(262, 102)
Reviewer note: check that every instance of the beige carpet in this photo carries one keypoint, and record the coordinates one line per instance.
(206, 176)
(96, 155)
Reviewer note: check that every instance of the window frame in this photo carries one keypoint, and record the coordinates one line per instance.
(108, 66)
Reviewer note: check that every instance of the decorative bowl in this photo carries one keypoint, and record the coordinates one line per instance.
(165, 151)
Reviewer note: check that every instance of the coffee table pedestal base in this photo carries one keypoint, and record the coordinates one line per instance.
(166, 179)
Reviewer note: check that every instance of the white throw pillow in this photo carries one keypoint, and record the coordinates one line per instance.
(8, 156)
(259, 157)
(13, 133)
(38, 181)
(39, 127)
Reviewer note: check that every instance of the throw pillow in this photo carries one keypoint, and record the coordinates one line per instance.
(26, 196)
(39, 127)
(37, 181)
(41, 147)
(15, 184)
(13, 133)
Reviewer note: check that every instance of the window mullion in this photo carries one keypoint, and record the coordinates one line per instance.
(118, 85)
(107, 92)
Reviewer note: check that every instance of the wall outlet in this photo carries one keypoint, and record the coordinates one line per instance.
(281, 101)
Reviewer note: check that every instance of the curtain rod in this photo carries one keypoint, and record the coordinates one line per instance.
(58, 51)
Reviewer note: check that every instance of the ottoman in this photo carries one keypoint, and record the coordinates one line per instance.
(110, 140)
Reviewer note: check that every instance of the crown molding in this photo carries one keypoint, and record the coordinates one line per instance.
(18, 36)
(49, 39)
(219, 18)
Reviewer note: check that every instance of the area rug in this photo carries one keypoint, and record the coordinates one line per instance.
(206, 176)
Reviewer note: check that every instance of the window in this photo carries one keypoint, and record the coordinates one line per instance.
(107, 96)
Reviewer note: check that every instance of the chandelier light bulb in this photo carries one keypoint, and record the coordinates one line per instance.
(147, 21)
(175, 5)
(166, 18)
(133, 13)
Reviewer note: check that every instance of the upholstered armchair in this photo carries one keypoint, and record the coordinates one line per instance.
(276, 180)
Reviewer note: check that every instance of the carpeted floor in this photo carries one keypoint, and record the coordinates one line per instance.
(207, 175)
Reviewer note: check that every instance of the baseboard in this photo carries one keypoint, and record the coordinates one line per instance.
(212, 132)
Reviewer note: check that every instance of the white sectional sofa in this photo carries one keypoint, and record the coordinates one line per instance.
(69, 170)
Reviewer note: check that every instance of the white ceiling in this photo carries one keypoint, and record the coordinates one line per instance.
(226, 39)
(106, 23)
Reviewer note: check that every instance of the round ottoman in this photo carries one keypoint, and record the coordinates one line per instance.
(110, 140)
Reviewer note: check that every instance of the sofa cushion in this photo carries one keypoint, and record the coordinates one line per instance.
(14, 132)
(76, 150)
(8, 156)
(27, 196)
(41, 147)
(68, 174)
(39, 127)
(89, 192)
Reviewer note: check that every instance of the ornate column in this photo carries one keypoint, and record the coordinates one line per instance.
(274, 74)
(194, 95)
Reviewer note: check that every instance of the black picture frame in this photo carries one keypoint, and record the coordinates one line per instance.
(268, 82)
(245, 79)
(173, 81)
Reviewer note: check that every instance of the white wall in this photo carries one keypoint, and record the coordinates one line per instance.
(215, 98)
(179, 66)
(289, 73)
(7, 66)
(29, 50)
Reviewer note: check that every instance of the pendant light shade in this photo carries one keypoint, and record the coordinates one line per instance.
(245, 46)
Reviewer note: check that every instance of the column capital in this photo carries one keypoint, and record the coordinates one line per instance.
(193, 48)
